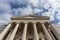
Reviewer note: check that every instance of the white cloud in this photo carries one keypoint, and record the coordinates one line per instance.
(34, 2)
(5, 18)
(58, 22)
(36, 10)
(49, 15)
(46, 6)
(6, 8)
(58, 16)
(24, 11)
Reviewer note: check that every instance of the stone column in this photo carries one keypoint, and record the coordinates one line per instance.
(46, 32)
(4, 32)
(24, 32)
(14, 32)
(55, 31)
(51, 34)
(36, 37)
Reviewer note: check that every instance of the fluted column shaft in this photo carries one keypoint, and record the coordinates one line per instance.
(24, 32)
(46, 32)
(14, 32)
(4, 32)
(36, 37)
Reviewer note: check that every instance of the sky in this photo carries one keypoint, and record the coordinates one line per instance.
(10, 8)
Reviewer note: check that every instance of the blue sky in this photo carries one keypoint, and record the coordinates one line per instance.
(9, 8)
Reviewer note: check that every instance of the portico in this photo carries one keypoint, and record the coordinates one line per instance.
(28, 27)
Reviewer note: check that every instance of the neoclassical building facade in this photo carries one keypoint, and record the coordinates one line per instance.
(30, 27)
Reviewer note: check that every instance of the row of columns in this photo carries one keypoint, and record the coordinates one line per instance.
(4, 32)
(36, 37)
(53, 29)
(14, 32)
(46, 32)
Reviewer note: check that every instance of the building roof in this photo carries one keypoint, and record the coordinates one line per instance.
(30, 17)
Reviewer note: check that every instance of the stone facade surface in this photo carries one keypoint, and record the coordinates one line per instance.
(30, 27)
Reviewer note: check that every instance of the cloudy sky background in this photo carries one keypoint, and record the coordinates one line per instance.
(9, 8)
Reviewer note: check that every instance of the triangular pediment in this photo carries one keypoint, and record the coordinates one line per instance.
(30, 17)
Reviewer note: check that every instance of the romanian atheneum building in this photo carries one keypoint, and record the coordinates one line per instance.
(30, 27)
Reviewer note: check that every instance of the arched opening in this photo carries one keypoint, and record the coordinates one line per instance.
(19, 33)
(30, 31)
